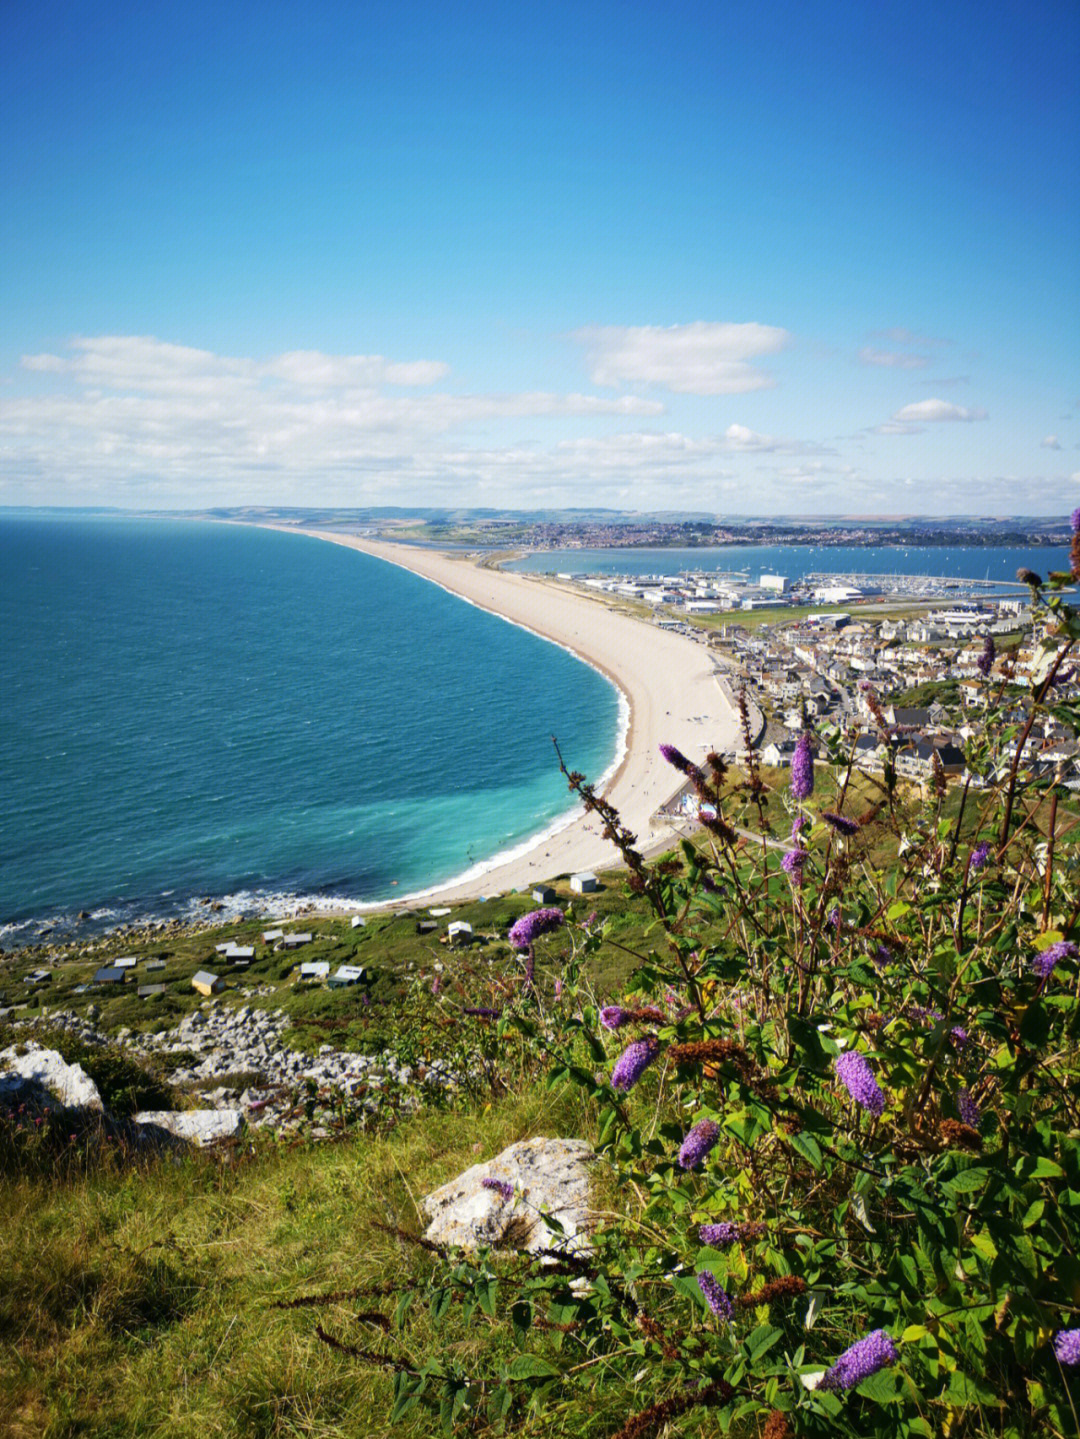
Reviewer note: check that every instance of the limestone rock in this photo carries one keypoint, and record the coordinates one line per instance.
(547, 1175)
(44, 1075)
(199, 1126)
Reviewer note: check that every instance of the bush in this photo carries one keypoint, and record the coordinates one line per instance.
(839, 1101)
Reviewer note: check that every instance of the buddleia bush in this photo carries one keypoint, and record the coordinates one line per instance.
(839, 1105)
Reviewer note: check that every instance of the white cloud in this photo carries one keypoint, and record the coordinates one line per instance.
(933, 412)
(893, 359)
(1050, 443)
(702, 358)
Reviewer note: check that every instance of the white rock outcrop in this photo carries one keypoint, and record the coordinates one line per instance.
(546, 1175)
(44, 1075)
(197, 1126)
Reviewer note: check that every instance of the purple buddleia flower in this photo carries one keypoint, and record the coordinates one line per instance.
(715, 1295)
(959, 1036)
(484, 1013)
(502, 1187)
(985, 663)
(1076, 522)
(858, 1079)
(882, 955)
(802, 768)
(678, 760)
(798, 824)
(721, 1235)
(979, 856)
(1044, 962)
(1067, 1341)
(698, 1143)
(865, 1357)
(840, 822)
(613, 1016)
(967, 1109)
(834, 916)
(792, 864)
(558, 989)
(634, 1061)
(531, 926)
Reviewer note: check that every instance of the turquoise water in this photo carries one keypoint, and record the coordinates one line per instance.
(207, 710)
(795, 561)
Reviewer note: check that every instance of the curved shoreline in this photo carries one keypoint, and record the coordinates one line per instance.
(667, 682)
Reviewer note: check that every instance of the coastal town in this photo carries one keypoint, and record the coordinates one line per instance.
(923, 653)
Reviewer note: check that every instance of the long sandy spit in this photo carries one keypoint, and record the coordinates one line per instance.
(669, 683)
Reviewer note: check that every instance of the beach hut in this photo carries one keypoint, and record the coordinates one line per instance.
(426, 926)
(315, 969)
(270, 935)
(206, 983)
(358, 922)
(128, 962)
(147, 991)
(544, 894)
(584, 883)
(346, 974)
(240, 951)
(294, 941)
(109, 974)
(459, 932)
(155, 964)
(38, 976)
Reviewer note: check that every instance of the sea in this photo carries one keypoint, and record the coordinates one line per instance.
(198, 711)
(974, 562)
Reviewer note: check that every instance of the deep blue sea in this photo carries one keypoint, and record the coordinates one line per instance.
(795, 561)
(195, 710)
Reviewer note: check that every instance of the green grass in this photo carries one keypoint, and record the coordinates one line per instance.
(138, 1299)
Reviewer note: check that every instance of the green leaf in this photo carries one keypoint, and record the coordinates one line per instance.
(808, 1147)
(762, 1340)
(531, 1366)
(968, 1181)
(965, 1389)
(1047, 1169)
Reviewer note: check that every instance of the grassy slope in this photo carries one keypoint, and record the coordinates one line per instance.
(137, 1300)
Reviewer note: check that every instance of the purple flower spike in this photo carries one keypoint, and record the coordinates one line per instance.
(634, 1061)
(719, 1236)
(531, 926)
(979, 856)
(613, 1016)
(1067, 1341)
(1076, 522)
(985, 663)
(840, 822)
(716, 1296)
(1043, 963)
(802, 768)
(858, 1079)
(865, 1357)
(501, 1187)
(697, 1144)
(967, 1109)
(792, 864)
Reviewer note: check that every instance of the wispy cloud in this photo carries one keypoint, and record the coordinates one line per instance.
(892, 359)
(1051, 442)
(702, 358)
(901, 335)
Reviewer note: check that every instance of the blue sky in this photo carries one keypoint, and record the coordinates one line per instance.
(744, 258)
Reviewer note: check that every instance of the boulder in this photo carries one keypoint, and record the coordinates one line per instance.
(45, 1077)
(546, 1174)
(198, 1126)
